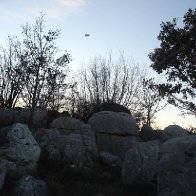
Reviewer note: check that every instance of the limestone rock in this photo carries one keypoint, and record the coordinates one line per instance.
(140, 163)
(173, 131)
(115, 144)
(8, 117)
(37, 118)
(67, 149)
(148, 134)
(66, 123)
(177, 167)
(117, 123)
(30, 186)
(20, 147)
(111, 160)
(88, 138)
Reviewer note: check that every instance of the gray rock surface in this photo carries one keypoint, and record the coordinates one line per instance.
(177, 167)
(88, 138)
(20, 147)
(140, 163)
(114, 144)
(148, 134)
(66, 123)
(37, 118)
(29, 186)
(173, 131)
(8, 117)
(117, 123)
(111, 160)
(2, 176)
(68, 149)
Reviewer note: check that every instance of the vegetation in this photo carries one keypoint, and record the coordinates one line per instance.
(32, 69)
(176, 58)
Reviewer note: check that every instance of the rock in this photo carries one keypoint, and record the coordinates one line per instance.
(116, 123)
(67, 124)
(140, 163)
(173, 131)
(148, 134)
(111, 160)
(20, 148)
(30, 186)
(36, 118)
(8, 117)
(177, 167)
(2, 176)
(88, 138)
(114, 144)
(57, 147)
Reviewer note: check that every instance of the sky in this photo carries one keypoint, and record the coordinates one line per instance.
(130, 26)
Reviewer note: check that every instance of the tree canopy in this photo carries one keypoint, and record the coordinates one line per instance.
(33, 68)
(176, 58)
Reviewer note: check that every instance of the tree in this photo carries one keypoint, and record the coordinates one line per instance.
(176, 58)
(151, 102)
(45, 71)
(105, 80)
(11, 76)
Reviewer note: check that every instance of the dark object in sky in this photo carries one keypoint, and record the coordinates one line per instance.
(87, 35)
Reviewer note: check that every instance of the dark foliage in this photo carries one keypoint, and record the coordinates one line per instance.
(176, 58)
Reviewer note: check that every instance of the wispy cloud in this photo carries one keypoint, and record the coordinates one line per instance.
(53, 8)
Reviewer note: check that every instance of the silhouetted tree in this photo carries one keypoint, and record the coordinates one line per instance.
(11, 76)
(151, 102)
(107, 81)
(176, 58)
(45, 71)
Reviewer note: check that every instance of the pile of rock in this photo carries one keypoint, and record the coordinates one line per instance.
(162, 160)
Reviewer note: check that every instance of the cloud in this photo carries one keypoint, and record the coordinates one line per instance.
(71, 3)
(53, 8)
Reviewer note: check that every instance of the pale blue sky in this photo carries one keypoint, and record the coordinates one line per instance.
(113, 25)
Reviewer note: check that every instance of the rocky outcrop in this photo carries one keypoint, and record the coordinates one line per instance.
(116, 123)
(67, 124)
(30, 186)
(177, 167)
(148, 134)
(35, 118)
(115, 132)
(140, 163)
(173, 131)
(8, 117)
(68, 141)
(20, 148)
(111, 160)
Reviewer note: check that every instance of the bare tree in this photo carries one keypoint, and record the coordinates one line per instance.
(151, 102)
(105, 80)
(11, 76)
(45, 71)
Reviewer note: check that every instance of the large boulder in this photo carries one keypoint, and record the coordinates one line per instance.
(177, 167)
(117, 123)
(36, 118)
(20, 148)
(115, 132)
(2, 174)
(111, 160)
(148, 134)
(30, 186)
(61, 148)
(8, 117)
(117, 145)
(140, 163)
(67, 123)
(173, 131)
